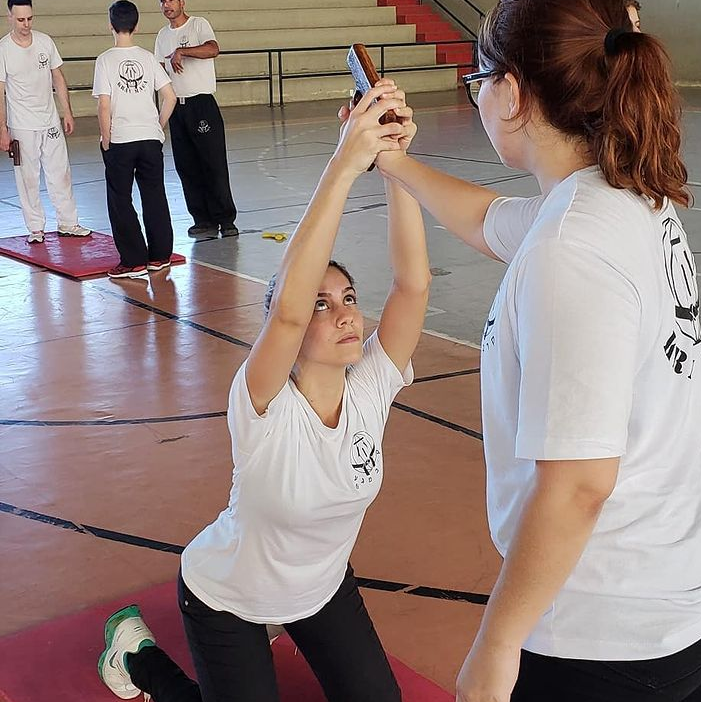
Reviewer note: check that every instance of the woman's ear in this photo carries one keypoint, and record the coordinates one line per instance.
(514, 95)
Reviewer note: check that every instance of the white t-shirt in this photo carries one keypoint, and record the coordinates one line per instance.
(300, 490)
(199, 76)
(26, 73)
(130, 76)
(592, 349)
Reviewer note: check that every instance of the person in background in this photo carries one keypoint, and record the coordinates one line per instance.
(30, 70)
(187, 48)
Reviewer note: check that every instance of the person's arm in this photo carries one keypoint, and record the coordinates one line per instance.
(4, 131)
(64, 100)
(307, 256)
(208, 50)
(104, 117)
(403, 315)
(557, 520)
(458, 205)
(167, 100)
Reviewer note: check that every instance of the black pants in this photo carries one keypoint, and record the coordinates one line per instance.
(675, 678)
(234, 662)
(142, 160)
(199, 150)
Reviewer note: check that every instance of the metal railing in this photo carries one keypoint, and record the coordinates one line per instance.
(271, 76)
(457, 20)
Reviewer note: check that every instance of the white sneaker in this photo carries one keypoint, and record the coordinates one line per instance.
(76, 230)
(125, 632)
(35, 238)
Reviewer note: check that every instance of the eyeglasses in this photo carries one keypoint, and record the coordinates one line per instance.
(473, 83)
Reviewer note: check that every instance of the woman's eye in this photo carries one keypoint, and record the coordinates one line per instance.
(350, 300)
(320, 306)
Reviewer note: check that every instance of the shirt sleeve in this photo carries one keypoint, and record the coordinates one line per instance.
(205, 32)
(55, 60)
(378, 376)
(507, 222)
(158, 49)
(101, 83)
(3, 68)
(246, 426)
(577, 327)
(160, 77)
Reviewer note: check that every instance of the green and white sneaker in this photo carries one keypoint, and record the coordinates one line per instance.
(125, 632)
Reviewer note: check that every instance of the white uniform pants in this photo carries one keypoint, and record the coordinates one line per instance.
(44, 149)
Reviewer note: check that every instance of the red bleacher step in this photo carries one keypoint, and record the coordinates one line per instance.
(397, 3)
(432, 37)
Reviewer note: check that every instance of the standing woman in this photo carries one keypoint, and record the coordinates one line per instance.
(591, 363)
(307, 412)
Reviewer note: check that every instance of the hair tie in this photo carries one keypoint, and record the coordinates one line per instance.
(611, 41)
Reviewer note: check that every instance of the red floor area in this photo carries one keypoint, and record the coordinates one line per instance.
(78, 257)
(56, 661)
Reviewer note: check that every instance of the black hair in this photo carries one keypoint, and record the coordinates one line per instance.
(124, 16)
(271, 285)
(18, 3)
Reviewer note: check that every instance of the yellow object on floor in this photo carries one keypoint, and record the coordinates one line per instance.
(278, 236)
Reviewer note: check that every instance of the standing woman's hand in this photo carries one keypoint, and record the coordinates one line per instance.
(489, 673)
(362, 136)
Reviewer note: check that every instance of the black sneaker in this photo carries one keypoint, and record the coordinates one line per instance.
(203, 229)
(229, 229)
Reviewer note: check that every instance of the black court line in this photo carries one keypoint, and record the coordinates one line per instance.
(176, 318)
(107, 422)
(437, 420)
(442, 376)
(132, 540)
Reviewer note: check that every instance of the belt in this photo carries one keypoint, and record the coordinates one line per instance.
(183, 100)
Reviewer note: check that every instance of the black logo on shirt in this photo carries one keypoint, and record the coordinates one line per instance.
(53, 133)
(131, 77)
(43, 60)
(681, 276)
(364, 458)
(184, 42)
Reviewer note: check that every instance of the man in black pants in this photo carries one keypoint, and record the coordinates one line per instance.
(131, 141)
(187, 48)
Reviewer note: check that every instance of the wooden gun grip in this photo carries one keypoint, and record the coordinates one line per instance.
(13, 152)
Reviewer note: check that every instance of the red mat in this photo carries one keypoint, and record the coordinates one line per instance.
(77, 257)
(57, 661)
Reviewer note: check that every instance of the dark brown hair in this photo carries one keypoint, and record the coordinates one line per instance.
(271, 285)
(621, 101)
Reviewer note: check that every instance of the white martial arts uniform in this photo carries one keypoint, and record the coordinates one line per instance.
(32, 119)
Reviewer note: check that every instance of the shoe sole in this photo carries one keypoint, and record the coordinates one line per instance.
(155, 269)
(36, 241)
(140, 274)
(69, 235)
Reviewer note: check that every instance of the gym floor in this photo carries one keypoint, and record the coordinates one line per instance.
(114, 448)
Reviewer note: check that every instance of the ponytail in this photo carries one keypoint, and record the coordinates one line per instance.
(639, 143)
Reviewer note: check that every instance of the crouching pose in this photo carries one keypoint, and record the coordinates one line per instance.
(307, 412)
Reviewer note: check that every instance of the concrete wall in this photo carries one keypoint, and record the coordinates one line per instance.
(676, 22)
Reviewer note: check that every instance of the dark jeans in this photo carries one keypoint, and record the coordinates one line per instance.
(199, 151)
(234, 662)
(142, 160)
(675, 678)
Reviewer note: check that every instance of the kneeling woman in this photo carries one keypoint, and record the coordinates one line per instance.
(307, 412)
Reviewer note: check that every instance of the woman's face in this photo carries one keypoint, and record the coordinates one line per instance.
(335, 333)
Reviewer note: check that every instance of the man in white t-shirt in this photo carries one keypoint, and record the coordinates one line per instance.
(131, 141)
(187, 48)
(30, 69)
